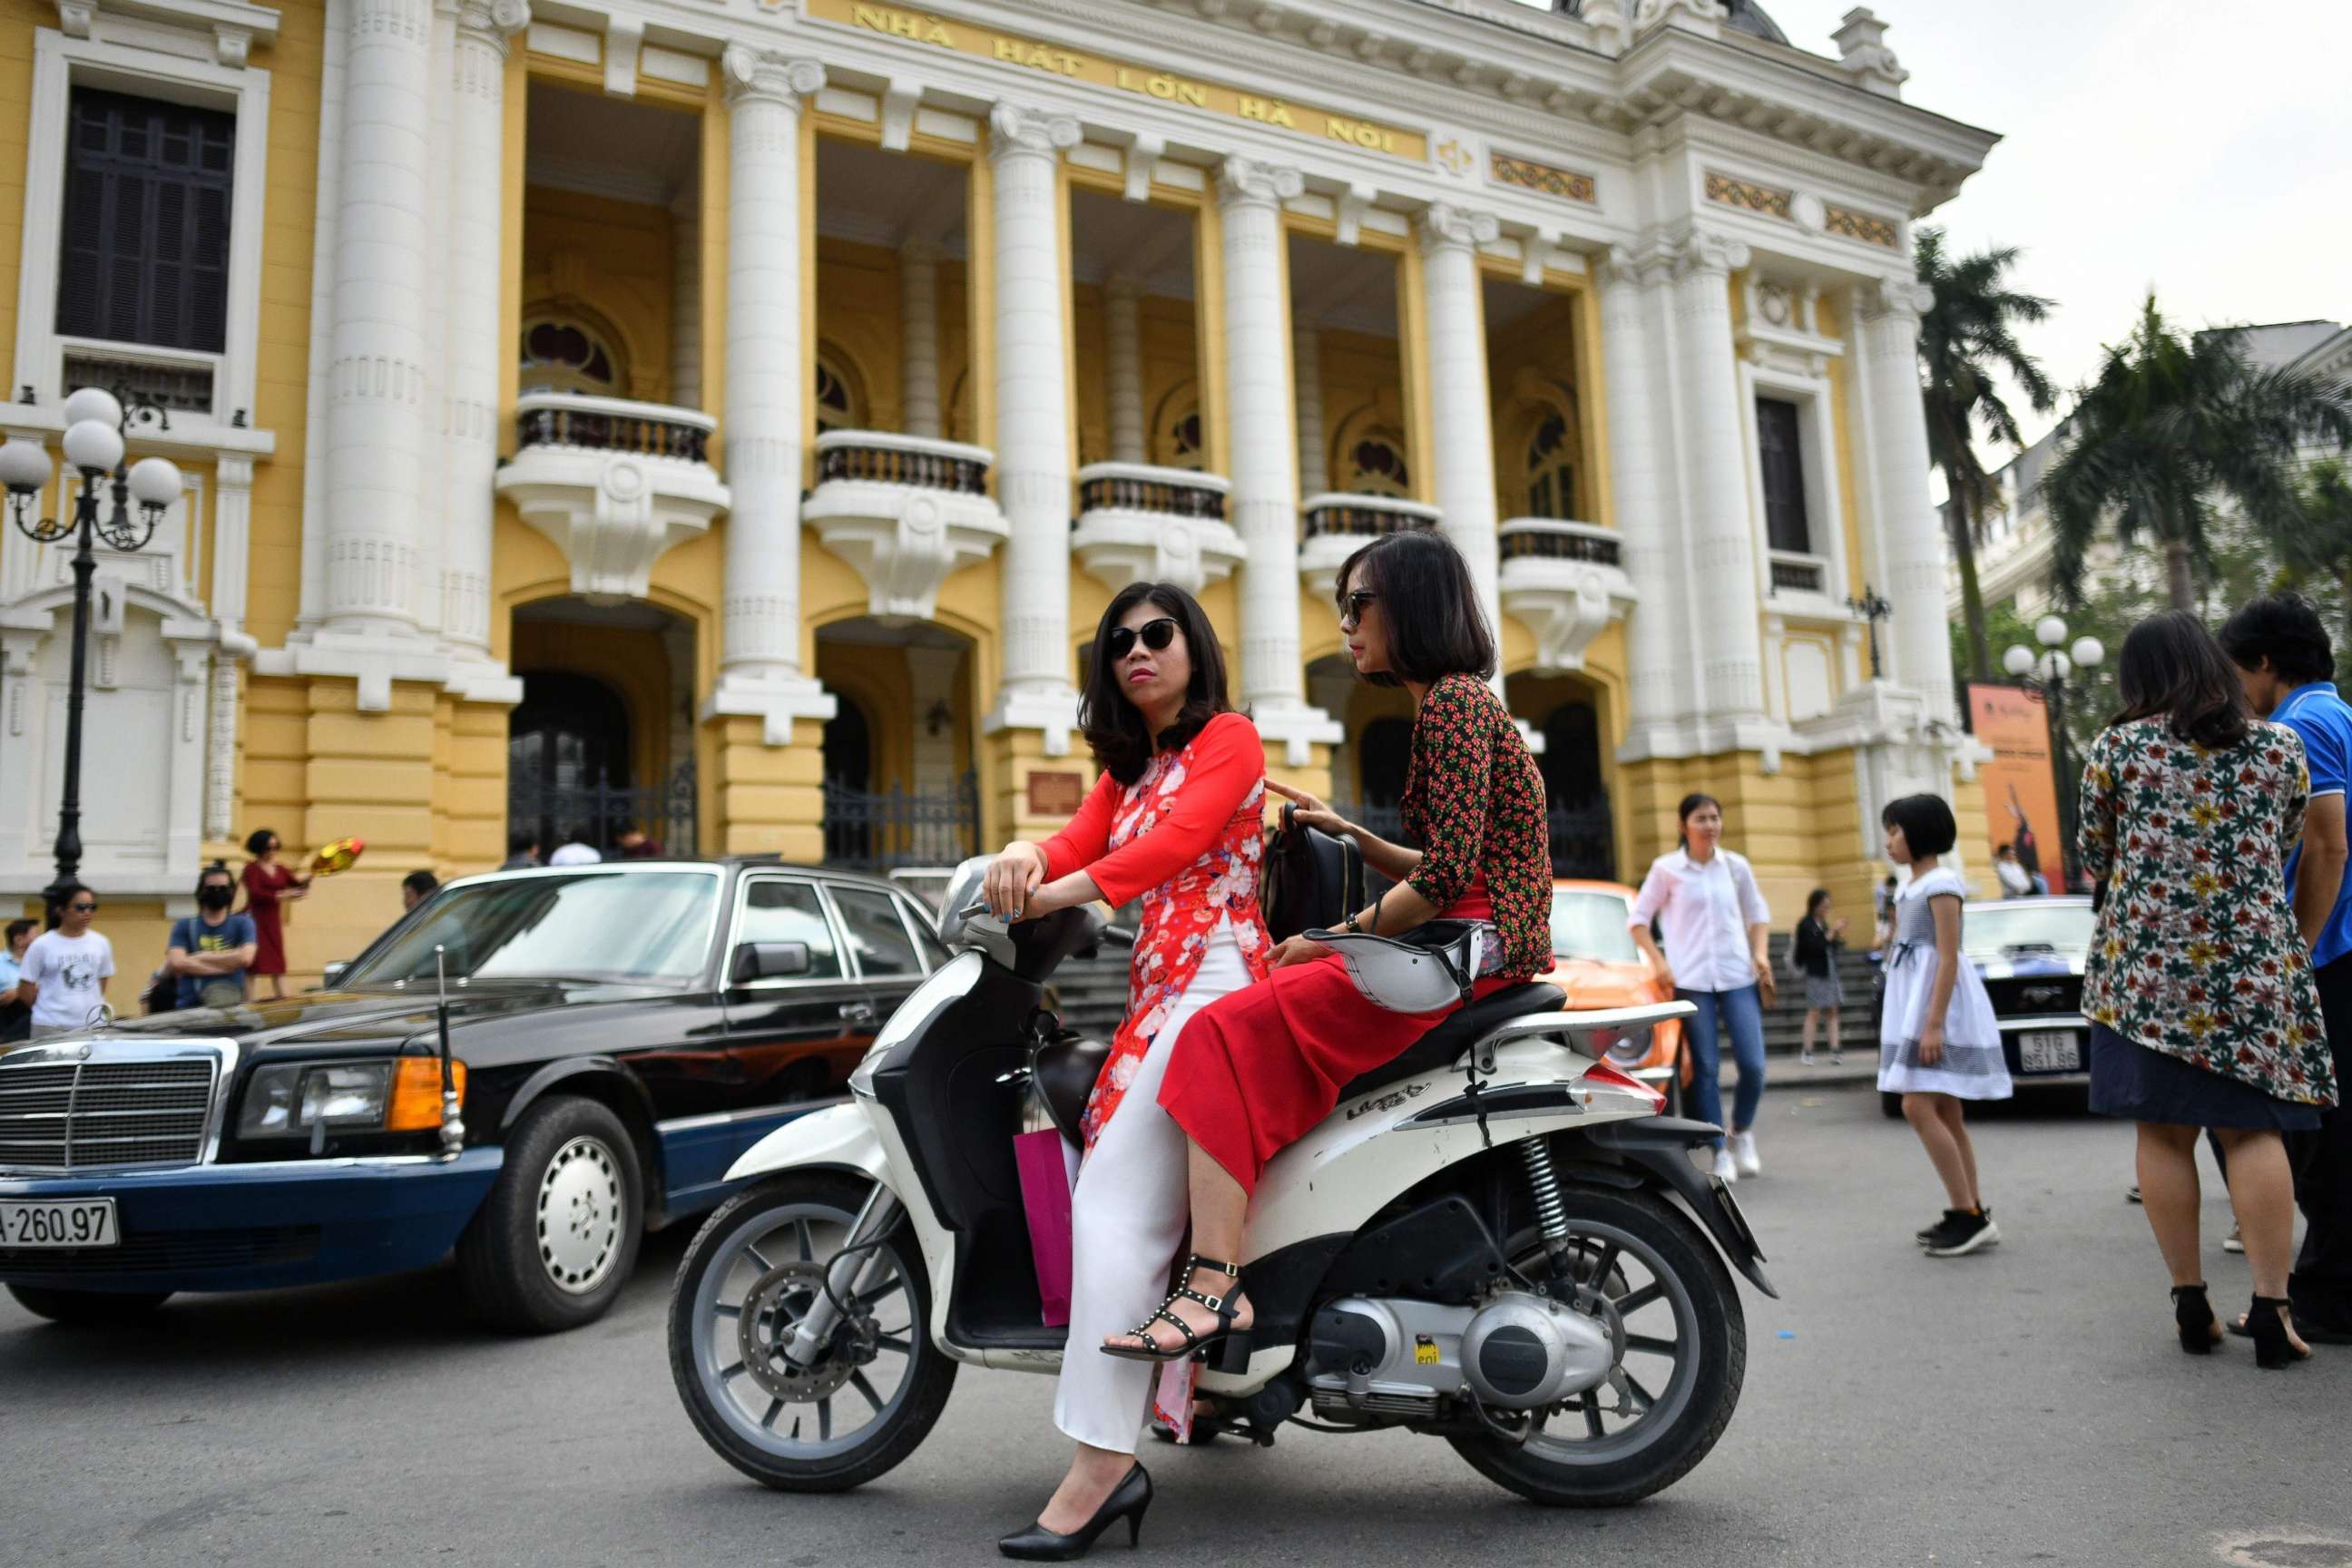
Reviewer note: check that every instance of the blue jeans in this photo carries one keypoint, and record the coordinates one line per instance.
(1740, 1012)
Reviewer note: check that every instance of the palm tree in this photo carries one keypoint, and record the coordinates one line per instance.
(2320, 545)
(2171, 425)
(1966, 338)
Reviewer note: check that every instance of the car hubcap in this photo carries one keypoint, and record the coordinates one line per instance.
(580, 1215)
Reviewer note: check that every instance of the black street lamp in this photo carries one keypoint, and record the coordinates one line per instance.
(1873, 607)
(2052, 675)
(95, 422)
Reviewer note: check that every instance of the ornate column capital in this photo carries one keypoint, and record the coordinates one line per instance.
(1902, 297)
(1246, 182)
(1016, 130)
(1443, 227)
(771, 75)
(1702, 252)
(493, 21)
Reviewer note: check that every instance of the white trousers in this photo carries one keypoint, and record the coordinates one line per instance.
(1127, 1217)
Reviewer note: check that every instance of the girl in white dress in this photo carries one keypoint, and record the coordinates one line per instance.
(1939, 1045)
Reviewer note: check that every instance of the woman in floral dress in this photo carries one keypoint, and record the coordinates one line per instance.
(2198, 989)
(1175, 820)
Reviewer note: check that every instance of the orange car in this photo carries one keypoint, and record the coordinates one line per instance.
(1598, 966)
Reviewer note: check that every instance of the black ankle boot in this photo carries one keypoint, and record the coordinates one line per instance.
(1126, 1500)
(2193, 1315)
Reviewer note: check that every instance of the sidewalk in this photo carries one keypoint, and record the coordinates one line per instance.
(1860, 1068)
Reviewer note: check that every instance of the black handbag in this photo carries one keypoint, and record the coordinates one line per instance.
(1313, 879)
(1061, 1071)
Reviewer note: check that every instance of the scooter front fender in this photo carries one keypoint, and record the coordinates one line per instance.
(840, 1138)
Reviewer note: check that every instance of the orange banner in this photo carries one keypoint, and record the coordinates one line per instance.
(2020, 783)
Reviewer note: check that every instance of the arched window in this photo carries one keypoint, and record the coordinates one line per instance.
(1176, 441)
(1375, 466)
(840, 392)
(1548, 455)
(565, 352)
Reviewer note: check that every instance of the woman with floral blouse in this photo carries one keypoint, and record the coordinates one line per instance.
(2198, 990)
(1259, 1069)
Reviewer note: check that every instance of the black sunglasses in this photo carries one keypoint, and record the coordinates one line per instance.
(1156, 635)
(1352, 607)
(83, 909)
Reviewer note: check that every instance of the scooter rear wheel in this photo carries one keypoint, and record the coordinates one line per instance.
(747, 1279)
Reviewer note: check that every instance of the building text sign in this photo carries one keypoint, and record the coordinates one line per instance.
(963, 37)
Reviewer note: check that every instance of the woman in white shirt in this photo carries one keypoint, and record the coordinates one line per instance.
(1716, 923)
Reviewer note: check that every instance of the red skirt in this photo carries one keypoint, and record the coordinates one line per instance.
(1253, 1071)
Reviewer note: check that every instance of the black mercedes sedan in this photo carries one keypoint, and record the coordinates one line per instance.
(618, 1035)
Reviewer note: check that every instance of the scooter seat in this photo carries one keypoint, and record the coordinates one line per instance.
(1460, 1031)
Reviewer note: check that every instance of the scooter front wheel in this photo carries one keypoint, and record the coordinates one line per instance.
(878, 1383)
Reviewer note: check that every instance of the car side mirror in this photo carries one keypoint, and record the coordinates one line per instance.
(769, 961)
(333, 972)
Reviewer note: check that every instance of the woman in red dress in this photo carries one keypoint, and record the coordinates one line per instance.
(1256, 1071)
(268, 885)
(1175, 821)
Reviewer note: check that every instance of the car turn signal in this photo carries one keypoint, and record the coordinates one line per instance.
(417, 1093)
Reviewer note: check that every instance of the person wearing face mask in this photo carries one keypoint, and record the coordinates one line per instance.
(212, 949)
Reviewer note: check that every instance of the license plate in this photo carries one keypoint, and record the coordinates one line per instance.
(83, 1222)
(2050, 1051)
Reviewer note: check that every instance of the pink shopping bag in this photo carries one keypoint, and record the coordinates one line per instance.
(1047, 1174)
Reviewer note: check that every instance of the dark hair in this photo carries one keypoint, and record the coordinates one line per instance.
(1690, 802)
(1815, 899)
(69, 893)
(1114, 727)
(19, 927)
(522, 842)
(2286, 629)
(2003, 849)
(2172, 669)
(1427, 601)
(256, 843)
(217, 869)
(1926, 821)
(421, 883)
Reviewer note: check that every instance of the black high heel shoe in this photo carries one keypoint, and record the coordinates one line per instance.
(2266, 1326)
(1126, 1500)
(2193, 1315)
(1220, 1306)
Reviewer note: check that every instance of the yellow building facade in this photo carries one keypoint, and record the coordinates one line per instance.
(730, 420)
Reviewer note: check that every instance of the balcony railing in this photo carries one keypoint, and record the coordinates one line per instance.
(1796, 574)
(1137, 487)
(612, 424)
(886, 457)
(1555, 539)
(1363, 517)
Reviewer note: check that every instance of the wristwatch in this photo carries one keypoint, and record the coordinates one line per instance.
(1349, 923)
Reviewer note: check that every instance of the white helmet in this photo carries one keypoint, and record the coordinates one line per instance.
(1428, 968)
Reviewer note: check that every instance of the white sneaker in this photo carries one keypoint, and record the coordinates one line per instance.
(1724, 1169)
(1743, 1152)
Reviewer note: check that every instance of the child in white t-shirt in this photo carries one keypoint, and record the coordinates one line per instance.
(68, 967)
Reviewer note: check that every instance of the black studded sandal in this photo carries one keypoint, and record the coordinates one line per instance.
(2192, 1314)
(1194, 1343)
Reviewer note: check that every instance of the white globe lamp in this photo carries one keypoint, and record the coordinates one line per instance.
(94, 402)
(154, 481)
(2089, 653)
(2050, 631)
(93, 446)
(25, 466)
(2018, 661)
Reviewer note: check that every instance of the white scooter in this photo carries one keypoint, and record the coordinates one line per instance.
(1481, 1243)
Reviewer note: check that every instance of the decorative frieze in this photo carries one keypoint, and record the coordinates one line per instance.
(1748, 193)
(1567, 184)
(1861, 225)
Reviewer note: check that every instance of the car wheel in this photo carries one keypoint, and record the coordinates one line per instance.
(94, 1308)
(555, 1241)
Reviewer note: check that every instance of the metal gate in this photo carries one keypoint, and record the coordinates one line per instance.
(666, 813)
(880, 830)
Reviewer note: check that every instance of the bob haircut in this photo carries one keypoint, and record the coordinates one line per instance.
(1429, 605)
(1114, 727)
(1694, 801)
(2171, 668)
(1818, 897)
(2286, 629)
(258, 840)
(1926, 821)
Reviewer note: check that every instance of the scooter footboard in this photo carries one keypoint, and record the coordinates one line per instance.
(1661, 1146)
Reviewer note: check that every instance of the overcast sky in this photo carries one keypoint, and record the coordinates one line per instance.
(2203, 148)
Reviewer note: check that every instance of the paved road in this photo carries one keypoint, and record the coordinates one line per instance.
(2023, 1407)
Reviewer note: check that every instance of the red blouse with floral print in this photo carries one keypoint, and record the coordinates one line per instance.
(1187, 838)
(1474, 799)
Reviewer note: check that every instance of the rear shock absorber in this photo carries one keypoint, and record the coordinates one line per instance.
(1551, 1209)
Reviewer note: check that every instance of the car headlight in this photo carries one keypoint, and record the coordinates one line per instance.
(299, 1100)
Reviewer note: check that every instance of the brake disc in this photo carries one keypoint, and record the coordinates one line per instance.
(773, 1306)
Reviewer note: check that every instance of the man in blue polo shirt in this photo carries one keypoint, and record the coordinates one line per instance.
(2284, 658)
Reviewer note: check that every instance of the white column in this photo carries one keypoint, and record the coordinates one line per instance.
(686, 299)
(435, 523)
(477, 349)
(918, 338)
(378, 446)
(1307, 381)
(1641, 458)
(766, 378)
(1720, 526)
(1460, 418)
(1033, 423)
(1910, 543)
(1123, 370)
(1261, 442)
